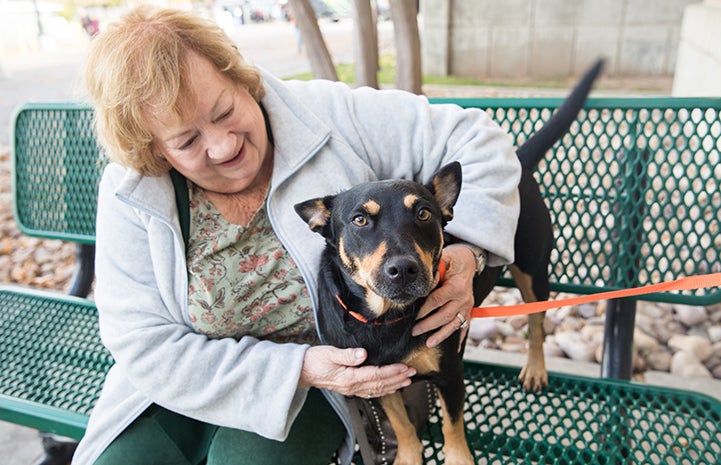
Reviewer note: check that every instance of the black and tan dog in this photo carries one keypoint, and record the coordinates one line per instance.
(383, 245)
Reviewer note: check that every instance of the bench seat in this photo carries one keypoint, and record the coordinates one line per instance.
(52, 363)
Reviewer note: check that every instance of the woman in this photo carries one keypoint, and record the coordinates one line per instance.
(214, 334)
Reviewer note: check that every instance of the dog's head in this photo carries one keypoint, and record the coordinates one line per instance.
(387, 236)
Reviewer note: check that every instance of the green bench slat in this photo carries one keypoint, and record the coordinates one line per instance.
(52, 363)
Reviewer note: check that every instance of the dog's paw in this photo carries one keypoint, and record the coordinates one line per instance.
(465, 460)
(458, 454)
(533, 379)
(416, 459)
(410, 452)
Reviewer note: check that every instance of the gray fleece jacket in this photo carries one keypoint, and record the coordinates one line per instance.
(327, 138)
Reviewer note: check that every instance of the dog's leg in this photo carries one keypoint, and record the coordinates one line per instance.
(410, 449)
(533, 375)
(455, 445)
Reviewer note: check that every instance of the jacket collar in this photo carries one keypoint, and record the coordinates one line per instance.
(297, 132)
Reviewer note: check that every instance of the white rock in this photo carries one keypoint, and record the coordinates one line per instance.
(575, 348)
(551, 349)
(697, 346)
(716, 372)
(659, 359)
(638, 363)
(715, 313)
(716, 349)
(687, 365)
(643, 342)
(511, 297)
(691, 315)
(549, 327)
(482, 328)
(645, 323)
(650, 310)
(517, 322)
(675, 327)
(557, 315)
(593, 334)
(504, 328)
(714, 333)
(662, 333)
(571, 323)
(587, 310)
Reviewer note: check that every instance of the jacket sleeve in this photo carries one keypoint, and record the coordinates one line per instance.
(141, 290)
(404, 136)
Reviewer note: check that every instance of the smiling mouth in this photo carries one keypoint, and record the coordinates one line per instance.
(238, 156)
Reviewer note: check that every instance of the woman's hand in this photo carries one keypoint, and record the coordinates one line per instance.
(453, 299)
(336, 369)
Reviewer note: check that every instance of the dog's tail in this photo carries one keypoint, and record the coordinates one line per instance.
(533, 150)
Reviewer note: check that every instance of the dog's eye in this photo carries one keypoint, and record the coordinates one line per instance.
(360, 220)
(423, 214)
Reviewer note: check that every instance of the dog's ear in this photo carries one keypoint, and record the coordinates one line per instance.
(446, 187)
(315, 212)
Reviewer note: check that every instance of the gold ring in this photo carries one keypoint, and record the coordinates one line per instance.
(464, 323)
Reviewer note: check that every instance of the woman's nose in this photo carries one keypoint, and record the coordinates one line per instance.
(221, 145)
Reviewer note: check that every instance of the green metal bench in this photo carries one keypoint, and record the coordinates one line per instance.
(634, 190)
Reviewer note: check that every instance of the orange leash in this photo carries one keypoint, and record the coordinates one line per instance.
(689, 283)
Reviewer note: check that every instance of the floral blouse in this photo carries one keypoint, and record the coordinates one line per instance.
(242, 281)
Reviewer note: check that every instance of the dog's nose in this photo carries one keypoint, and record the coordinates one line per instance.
(403, 269)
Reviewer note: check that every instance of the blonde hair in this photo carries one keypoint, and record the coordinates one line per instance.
(138, 68)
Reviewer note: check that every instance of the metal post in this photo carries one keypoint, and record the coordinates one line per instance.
(618, 340)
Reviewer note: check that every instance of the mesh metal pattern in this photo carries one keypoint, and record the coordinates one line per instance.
(634, 190)
(56, 171)
(576, 420)
(51, 356)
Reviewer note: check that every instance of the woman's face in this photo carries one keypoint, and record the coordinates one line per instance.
(220, 143)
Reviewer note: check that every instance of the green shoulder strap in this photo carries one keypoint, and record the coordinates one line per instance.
(181, 198)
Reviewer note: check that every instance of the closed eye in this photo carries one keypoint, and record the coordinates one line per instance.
(188, 143)
(225, 115)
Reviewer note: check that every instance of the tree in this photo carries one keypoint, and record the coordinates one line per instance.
(407, 39)
(408, 45)
(366, 44)
(320, 61)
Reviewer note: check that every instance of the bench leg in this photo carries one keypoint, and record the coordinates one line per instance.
(618, 341)
(84, 270)
(56, 452)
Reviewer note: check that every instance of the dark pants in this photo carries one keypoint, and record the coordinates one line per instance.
(162, 437)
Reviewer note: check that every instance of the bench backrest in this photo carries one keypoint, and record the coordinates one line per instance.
(634, 187)
(634, 190)
(56, 169)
